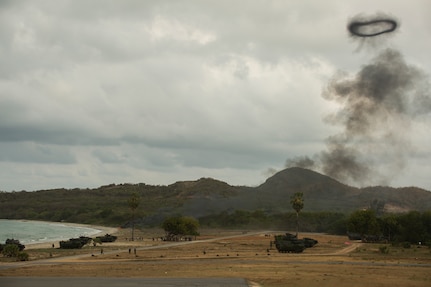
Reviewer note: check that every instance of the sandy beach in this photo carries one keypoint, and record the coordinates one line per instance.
(103, 230)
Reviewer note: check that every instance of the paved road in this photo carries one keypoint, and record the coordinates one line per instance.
(119, 282)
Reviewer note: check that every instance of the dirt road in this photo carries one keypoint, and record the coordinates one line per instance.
(333, 261)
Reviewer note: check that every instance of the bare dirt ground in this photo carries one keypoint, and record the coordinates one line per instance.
(333, 261)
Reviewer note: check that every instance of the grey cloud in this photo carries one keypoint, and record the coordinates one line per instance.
(107, 156)
(166, 89)
(27, 152)
(54, 135)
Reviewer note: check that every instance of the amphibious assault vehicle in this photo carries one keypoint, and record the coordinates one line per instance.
(289, 243)
(107, 238)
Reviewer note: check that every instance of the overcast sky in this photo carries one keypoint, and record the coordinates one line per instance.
(100, 92)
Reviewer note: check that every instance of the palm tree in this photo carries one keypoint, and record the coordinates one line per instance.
(133, 203)
(297, 202)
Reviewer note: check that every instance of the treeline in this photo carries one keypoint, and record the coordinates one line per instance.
(102, 206)
(410, 227)
(329, 222)
(413, 227)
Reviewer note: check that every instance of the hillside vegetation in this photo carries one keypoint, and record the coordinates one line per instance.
(210, 200)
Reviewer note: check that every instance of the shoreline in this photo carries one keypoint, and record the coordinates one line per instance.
(102, 230)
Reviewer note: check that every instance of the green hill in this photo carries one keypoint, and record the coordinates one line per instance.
(107, 205)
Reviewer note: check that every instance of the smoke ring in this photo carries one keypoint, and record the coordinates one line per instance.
(355, 27)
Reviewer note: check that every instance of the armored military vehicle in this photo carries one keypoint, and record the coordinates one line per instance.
(107, 238)
(289, 243)
(75, 243)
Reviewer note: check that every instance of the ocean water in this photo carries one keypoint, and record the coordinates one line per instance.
(30, 232)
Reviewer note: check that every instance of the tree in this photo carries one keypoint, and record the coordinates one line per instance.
(389, 226)
(412, 227)
(133, 203)
(297, 202)
(364, 222)
(178, 226)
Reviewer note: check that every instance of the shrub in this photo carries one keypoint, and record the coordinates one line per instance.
(406, 244)
(10, 250)
(384, 249)
(21, 247)
(22, 256)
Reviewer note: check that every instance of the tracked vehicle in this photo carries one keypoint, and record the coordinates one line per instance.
(289, 243)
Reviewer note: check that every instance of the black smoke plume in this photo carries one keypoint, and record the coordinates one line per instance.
(372, 30)
(378, 105)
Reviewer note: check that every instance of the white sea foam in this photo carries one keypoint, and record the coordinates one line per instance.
(31, 232)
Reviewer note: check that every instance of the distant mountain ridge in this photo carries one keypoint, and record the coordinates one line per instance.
(206, 196)
(321, 193)
(324, 193)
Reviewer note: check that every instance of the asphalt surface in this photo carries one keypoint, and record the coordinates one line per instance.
(119, 282)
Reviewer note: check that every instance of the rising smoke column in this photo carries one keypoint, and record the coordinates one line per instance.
(378, 106)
